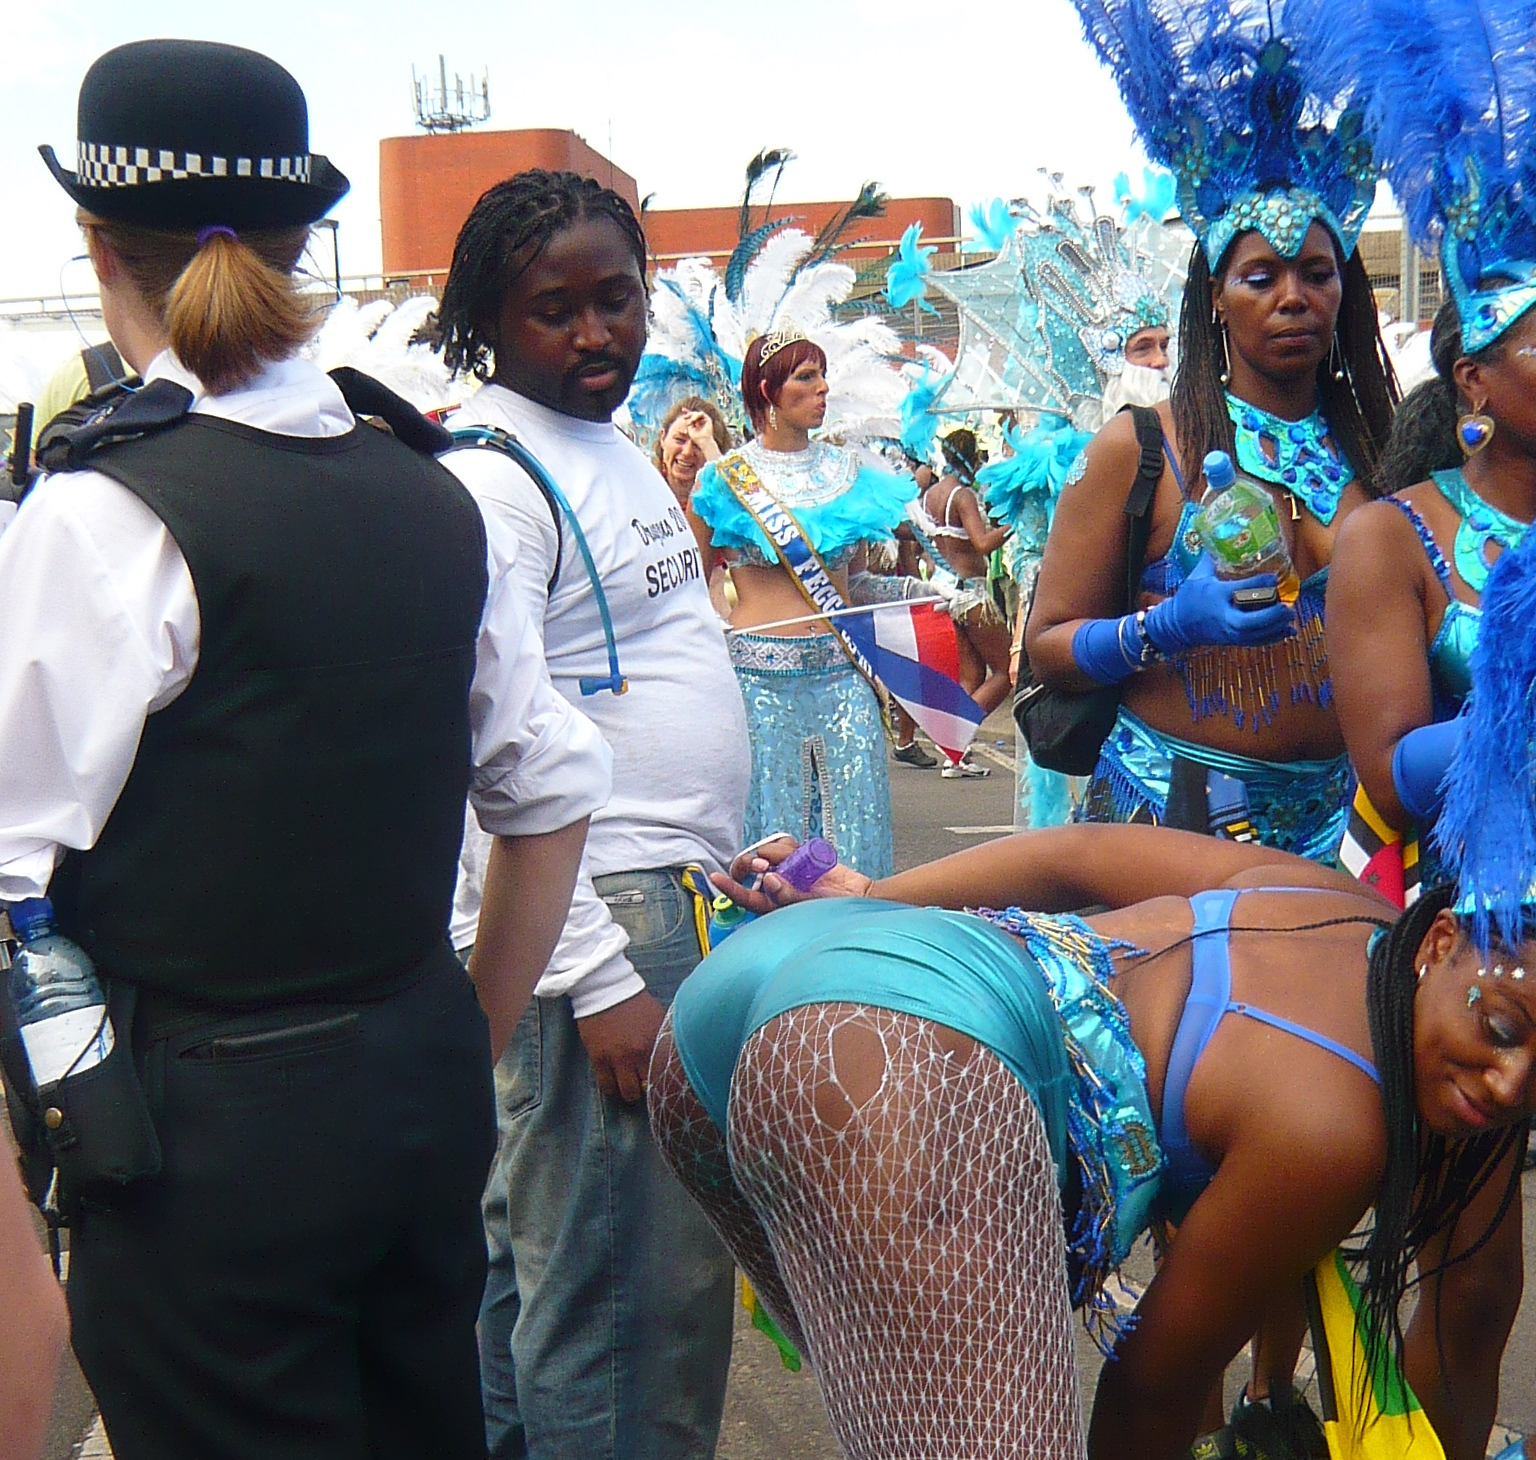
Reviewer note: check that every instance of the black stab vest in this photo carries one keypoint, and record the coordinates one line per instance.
(291, 825)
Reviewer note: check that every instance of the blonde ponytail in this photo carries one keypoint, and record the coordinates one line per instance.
(229, 304)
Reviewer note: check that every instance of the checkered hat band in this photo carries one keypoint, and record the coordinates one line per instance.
(105, 165)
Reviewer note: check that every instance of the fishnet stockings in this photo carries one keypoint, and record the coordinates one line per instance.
(905, 1186)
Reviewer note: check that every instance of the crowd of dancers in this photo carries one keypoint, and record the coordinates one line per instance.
(399, 779)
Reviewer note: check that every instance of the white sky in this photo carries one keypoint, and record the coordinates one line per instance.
(965, 102)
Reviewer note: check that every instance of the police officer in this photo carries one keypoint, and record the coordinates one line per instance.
(255, 655)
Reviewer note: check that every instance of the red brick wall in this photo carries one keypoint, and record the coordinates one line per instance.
(428, 184)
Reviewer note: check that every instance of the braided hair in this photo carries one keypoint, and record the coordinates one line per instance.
(1427, 1180)
(505, 232)
(1358, 408)
(1423, 436)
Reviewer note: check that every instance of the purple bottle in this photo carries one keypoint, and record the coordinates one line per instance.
(804, 867)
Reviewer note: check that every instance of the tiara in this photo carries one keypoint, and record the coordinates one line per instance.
(777, 338)
(1216, 95)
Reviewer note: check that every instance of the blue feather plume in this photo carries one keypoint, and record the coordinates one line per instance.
(994, 224)
(918, 425)
(907, 277)
(1023, 488)
(1214, 95)
(1158, 198)
(1449, 89)
(1487, 831)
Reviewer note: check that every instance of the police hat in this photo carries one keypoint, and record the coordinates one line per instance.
(184, 134)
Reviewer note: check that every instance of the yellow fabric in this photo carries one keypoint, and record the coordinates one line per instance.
(697, 885)
(68, 384)
(1379, 1420)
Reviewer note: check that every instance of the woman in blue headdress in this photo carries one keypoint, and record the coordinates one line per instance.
(818, 743)
(1228, 714)
(1451, 101)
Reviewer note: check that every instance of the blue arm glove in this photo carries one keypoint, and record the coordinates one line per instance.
(1201, 613)
(1419, 764)
(1107, 650)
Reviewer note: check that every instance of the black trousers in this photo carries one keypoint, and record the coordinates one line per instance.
(303, 1277)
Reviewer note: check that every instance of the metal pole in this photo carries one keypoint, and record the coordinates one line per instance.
(813, 618)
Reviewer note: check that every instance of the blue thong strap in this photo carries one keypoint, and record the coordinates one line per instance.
(1210, 998)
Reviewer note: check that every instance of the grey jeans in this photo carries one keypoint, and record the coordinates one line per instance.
(605, 1332)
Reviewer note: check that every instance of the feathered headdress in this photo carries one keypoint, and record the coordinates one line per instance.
(1448, 88)
(1487, 831)
(1214, 94)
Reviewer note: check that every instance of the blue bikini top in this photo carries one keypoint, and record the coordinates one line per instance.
(1450, 654)
(1187, 1172)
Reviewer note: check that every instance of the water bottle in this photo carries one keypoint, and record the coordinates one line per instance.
(59, 1004)
(725, 917)
(1240, 528)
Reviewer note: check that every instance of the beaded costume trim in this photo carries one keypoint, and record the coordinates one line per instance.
(1109, 1120)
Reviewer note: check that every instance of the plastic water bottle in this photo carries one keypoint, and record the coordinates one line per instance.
(59, 1004)
(1241, 529)
(725, 917)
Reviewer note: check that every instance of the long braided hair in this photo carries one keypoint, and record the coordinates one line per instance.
(1427, 1180)
(504, 233)
(1358, 408)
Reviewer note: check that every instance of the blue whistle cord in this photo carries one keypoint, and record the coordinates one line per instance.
(509, 445)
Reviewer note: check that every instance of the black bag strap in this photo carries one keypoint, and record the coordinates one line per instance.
(1138, 502)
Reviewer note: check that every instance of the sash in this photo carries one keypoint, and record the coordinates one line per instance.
(808, 573)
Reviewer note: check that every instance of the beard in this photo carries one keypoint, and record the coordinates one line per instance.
(1135, 385)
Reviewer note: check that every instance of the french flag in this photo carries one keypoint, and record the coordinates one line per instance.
(912, 648)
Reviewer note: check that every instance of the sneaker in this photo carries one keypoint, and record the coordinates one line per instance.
(913, 754)
(965, 769)
(1290, 1431)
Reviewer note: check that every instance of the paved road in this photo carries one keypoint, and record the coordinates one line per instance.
(771, 1414)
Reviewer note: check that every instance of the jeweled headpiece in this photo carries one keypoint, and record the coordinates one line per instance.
(1215, 94)
(778, 338)
(1487, 830)
(1044, 326)
(1448, 89)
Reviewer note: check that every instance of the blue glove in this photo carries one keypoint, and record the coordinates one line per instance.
(1419, 764)
(1201, 613)
(1107, 650)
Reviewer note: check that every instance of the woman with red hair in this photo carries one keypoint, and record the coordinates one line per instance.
(793, 515)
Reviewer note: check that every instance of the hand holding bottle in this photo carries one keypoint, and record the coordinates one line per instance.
(1202, 612)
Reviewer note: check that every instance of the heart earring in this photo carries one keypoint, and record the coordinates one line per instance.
(1474, 431)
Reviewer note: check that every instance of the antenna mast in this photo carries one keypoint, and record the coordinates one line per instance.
(446, 109)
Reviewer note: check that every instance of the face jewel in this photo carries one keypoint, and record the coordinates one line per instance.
(1473, 994)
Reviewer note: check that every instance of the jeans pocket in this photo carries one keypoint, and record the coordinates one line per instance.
(657, 912)
(520, 1070)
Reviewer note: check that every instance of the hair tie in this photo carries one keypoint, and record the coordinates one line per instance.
(213, 229)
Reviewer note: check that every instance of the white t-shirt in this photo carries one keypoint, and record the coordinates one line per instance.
(681, 760)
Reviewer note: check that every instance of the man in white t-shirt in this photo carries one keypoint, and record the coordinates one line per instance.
(606, 1327)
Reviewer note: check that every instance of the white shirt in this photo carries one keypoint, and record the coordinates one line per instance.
(99, 628)
(681, 761)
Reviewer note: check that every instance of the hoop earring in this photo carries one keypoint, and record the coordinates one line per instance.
(1474, 431)
(1226, 355)
(773, 419)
